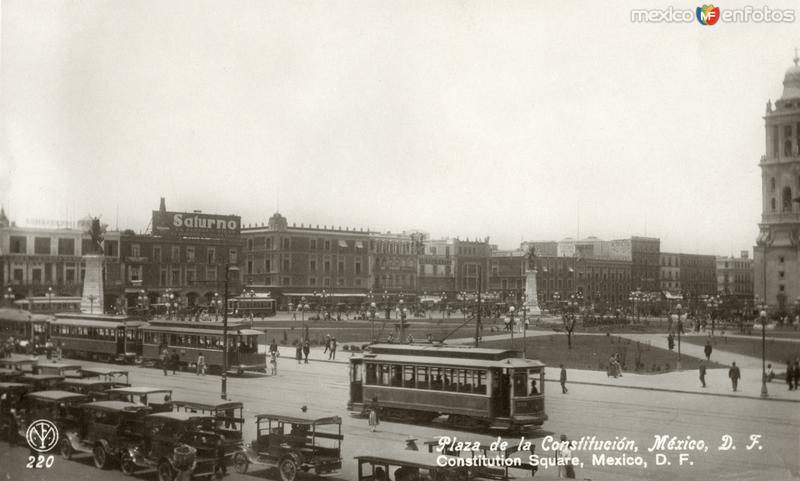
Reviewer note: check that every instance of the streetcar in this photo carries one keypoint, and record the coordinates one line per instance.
(27, 328)
(190, 339)
(42, 304)
(477, 388)
(100, 337)
(258, 305)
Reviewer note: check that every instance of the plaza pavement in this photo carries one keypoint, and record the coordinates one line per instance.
(684, 381)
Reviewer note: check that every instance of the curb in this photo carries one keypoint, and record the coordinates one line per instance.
(678, 391)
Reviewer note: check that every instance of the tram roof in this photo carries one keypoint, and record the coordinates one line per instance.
(512, 362)
(19, 315)
(188, 328)
(444, 350)
(96, 322)
(90, 316)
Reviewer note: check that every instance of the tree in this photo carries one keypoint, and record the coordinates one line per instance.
(570, 319)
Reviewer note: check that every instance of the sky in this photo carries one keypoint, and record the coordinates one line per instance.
(509, 119)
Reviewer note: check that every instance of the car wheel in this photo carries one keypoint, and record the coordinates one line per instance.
(126, 465)
(66, 449)
(100, 457)
(287, 469)
(240, 463)
(165, 472)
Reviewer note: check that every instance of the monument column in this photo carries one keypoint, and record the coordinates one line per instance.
(532, 298)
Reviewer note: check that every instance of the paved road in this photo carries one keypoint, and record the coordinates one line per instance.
(586, 410)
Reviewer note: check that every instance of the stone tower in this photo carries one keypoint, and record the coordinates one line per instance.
(777, 252)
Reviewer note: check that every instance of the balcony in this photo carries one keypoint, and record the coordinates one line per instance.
(136, 260)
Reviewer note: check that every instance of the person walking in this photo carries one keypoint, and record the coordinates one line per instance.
(175, 361)
(373, 415)
(703, 373)
(273, 362)
(565, 470)
(790, 375)
(332, 354)
(164, 360)
(735, 375)
(273, 347)
(306, 349)
(708, 349)
(299, 352)
(327, 343)
(563, 379)
(796, 373)
(201, 364)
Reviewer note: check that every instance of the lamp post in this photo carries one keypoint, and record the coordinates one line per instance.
(9, 296)
(679, 327)
(763, 315)
(303, 307)
(511, 324)
(372, 309)
(216, 302)
(524, 324)
(556, 299)
(444, 304)
(141, 298)
(228, 269)
(50, 299)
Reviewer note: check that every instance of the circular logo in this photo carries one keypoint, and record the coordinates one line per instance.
(42, 435)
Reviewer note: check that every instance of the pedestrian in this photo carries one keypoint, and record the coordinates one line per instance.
(735, 375)
(201, 364)
(332, 354)
(327, 343)
(164, 360)
(565, 470)
(708, 349)
(703, 373)
(563, 379)
(299, 352)
(796, 373)
(273, 347)
(273, 362)
(790, 375)
(306, 349)
(175, 361)
(373, 415)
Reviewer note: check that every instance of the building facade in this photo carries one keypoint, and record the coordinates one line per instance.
(777, 251)
(735, 276)
(670, 273)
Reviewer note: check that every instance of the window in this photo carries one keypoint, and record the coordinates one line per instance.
(341, 267)
(287, 243)
(157, 254)
(135, 250)
(110, 248)
(312, 281)
(267, 265)
(249, 266)
(135, 273)
(190, 276)
(781, 288)
(36, 276)
(287, 281)
(358, 267)
(327, 245)
(775, 140)
(250, 244)
(41, 245)
(233, 258)
(312, 265)
(787, 199)
(787, 148)
(772, 184)
(312, 244)
(66, 247)
(773, 204)
(175, 256)
(175, 278)
(287, 264)
(269, 243)
(781, 259)
(190, 254)
(340, 282)
(211, 255)
(327, 266)
(70, 275)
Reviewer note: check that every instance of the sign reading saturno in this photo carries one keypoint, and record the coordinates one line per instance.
(187, 224)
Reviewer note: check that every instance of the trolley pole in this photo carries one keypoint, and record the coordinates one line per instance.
(228, 269)
(478, 317)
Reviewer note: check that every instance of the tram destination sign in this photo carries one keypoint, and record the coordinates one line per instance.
(194, 224)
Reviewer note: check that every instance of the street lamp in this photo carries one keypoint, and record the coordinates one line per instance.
(216, 302)
(9, 296)
(372, 308)
(444, 304)
(50, 299)
(679, 327)
(303, 307)
(228, 269)
(763, 316)
(511, 324)
(141, 298)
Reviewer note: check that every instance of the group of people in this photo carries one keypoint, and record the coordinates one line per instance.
(304, 348)
(614, 366)
(793, 374)
(170, 360)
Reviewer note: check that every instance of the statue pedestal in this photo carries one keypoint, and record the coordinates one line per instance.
(92, 299)
(532, 299)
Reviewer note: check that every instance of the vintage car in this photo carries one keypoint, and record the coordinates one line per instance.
(176, 443)
(59, 369)
(106, 430)
(19, 363)
(41, 382)
(95, 389)
(229, 421)
(406, 466)
(59, 407)
(11, 396)
(293, 444)
(106, 374)
(9, 375)
(158, 399)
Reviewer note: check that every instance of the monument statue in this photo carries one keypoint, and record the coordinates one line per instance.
(93, 298)
(531, 295)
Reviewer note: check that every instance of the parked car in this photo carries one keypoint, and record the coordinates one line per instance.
(60, 407)
(107, 374)
(41, 382)
(292, 444)
(405, 466)
(159, 399)
(106, 430)
(176, 443)
(11, 396)
(20, 364)
(228, 422)
(95, 389)
(58, 369)
(9, 375)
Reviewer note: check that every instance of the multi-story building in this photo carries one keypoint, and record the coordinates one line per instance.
(777, 251)
(395, 261)
(542, 248)
(670, 276)
(735, 276)
(645, 263)
(604, 280)
(698, 275)
(471, 266)
(437, 266)
(183, 261)
(41, 261)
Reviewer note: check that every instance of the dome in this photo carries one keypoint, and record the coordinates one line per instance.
(277, 222)
(791, 82)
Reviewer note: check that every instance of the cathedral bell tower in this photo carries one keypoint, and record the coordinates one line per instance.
(777, 251)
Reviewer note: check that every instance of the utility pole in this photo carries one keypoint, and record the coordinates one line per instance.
(478, 322)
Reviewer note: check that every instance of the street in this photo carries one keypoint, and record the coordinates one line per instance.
(604, 412)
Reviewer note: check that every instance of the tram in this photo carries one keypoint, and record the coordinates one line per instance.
(257, 305)
(29, 329)
(189, 340)
(42, 304)
(101, 337)
(476, 388)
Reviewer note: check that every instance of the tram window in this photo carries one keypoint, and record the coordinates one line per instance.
(384, 379)
(450, 384)
(397, 375)
(372, 377)
(408, 378)
(422, 377)
(436, 378)
(520, 383)
(480, 382)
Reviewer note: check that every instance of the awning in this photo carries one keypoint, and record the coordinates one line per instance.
(342, 243)
(359, 245)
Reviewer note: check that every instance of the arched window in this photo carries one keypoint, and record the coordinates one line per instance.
(772, 184)
(786, 199)
(773, 204)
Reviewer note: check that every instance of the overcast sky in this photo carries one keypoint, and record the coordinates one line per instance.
(471, 119)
